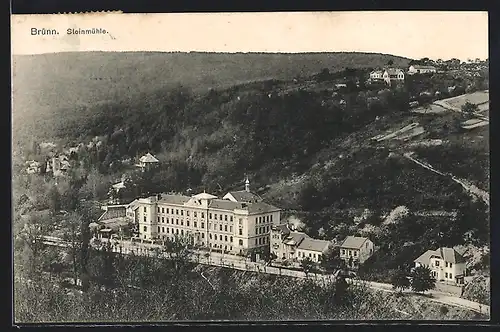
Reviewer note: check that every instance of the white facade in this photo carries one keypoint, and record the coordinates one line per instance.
(207, 220)
(415, 69)
(376, 75)
(446, 265)
(356, 250)
(295, 246)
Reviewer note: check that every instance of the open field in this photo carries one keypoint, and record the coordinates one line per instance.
(431, 109)
(478, 98)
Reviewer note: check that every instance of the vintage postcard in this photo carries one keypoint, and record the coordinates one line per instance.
(250, 167)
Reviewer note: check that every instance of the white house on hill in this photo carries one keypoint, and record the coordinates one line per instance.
(147, 161)
(417, 69)
(388, 75)
(356, 250)
(446, 265)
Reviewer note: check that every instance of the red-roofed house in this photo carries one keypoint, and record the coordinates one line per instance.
(446, 264)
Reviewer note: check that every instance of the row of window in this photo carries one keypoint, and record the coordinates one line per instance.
(350, 252)
(448, 275)
(261, 241)
(264, 219)
(168, 230)
(436, 263)
(262, 230)
(222, 228)
(214, 216)
(313, 255)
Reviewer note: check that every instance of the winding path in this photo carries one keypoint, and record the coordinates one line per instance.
(470, 188)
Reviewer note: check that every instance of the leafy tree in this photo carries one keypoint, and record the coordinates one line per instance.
(390, 62)
(341, 288)
(54, 200)
(421, 279)
(331, 259)
(477, 290)
(307, 265)
(177, 250)
(96, 185)
(470, 108)
(400, 281)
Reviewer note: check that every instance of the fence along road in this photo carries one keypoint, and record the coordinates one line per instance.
(240, 263)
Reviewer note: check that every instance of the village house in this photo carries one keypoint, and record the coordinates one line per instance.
(148, 161)
(393, 75)
(388, 75)
(112, 221)
(354, 250)
(418, 69)
(446, 265)
(376, 75)
(232, 224)
(295, 246)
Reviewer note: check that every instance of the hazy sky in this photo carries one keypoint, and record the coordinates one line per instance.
(411, 34)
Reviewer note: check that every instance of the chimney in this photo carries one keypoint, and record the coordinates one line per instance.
(247, 186)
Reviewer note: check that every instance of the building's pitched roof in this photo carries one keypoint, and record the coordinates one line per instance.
(173, 199)
(423, 67)
(214, 203)
(393, 71)
(294, 238)
(204, 196)
(425, 257)
(245, 196)
(148, 158)
(115, 223)
(449, 255)
(282, 228)
(133, 205)
(353, 242)
(224, 204)
(314, 245)
(261, 207)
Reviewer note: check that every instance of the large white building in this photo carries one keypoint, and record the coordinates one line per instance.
(236, 223)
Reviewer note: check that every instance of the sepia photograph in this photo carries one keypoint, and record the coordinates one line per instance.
(250, 167)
